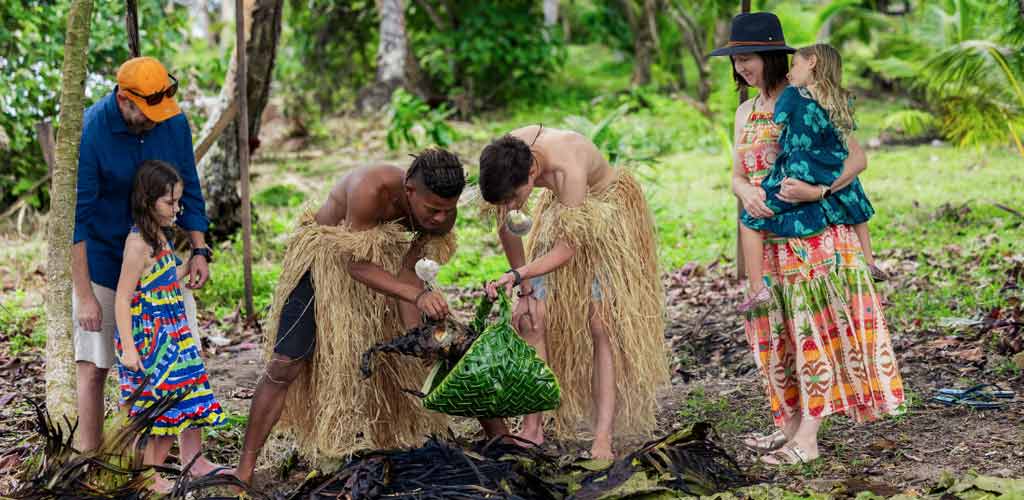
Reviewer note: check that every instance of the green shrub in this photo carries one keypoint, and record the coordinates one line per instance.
(281, 195)
(31, 54)
(487, 52)
(413, 122)
(22, 327)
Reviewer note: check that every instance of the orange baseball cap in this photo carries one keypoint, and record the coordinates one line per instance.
(145, 77)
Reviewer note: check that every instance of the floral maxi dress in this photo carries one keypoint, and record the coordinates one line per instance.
(822, 346)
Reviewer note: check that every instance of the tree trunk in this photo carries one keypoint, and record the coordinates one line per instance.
(550, 12)
(693, 35)
(219, 169)
(643, 39)
(227, 16)
(391, 56)
(60, 355)
(201, 21)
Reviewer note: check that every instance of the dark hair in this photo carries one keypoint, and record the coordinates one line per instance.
(776, 66)
(153, 180)
(440, 171)
(504, 166)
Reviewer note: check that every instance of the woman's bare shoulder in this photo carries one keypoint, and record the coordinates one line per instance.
(745, 107)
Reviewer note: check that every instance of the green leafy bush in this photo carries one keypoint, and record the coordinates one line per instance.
(485, 52)
(31, 55)
(326, 53)
(413, 122)
(21, 327)
(281, 195)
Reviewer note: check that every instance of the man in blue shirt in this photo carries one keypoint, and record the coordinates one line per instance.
(138, 121)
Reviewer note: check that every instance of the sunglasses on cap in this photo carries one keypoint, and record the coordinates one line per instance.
(155, 98)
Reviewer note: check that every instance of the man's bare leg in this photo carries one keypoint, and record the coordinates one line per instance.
(90, 404)
(536, 336)
(265, 411)
(603, 387)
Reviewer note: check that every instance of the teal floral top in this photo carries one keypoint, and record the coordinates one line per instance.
(812, 150)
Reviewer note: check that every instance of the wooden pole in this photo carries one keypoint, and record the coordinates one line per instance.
(741, 269)
(243, 155)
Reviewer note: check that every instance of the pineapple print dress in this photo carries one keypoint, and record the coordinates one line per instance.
(168, 353)
(822, 345)
(811, 150)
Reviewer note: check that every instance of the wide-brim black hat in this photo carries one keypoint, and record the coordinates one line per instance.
(755, 32)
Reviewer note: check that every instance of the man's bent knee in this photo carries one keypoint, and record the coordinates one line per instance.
(283, 370)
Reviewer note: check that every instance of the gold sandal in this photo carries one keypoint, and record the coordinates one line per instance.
(789, 454)
(766, 442)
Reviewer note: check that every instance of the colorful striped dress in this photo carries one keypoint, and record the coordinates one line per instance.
(822, 346)
(168, 353)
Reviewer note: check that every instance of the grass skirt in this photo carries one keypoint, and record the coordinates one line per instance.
(330, 409)
(613, 234)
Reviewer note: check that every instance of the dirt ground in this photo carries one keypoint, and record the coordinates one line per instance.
(714, 381)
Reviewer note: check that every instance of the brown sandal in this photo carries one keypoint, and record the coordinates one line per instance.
(877, 274)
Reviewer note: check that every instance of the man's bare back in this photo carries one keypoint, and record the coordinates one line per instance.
(379, 185)
(567, 152)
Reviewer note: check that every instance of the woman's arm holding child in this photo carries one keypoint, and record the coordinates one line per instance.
(136, 256)
(796, 191)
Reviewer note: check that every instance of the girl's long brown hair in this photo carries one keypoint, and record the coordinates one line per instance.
(827, 89)
(153, 180)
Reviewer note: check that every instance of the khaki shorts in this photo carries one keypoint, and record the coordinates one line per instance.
(98, 347)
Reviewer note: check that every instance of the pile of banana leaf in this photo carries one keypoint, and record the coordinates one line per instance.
(684, 463)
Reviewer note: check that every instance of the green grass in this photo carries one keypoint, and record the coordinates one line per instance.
(21, 325)
(703, 407)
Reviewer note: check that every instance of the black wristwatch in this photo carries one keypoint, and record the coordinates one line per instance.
(205, 252)
(515, 274)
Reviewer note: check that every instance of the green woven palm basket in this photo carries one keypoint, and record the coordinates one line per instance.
(499, 376)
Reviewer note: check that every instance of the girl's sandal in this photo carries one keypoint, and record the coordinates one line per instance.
(763, 296)
(789, 454)
(766, 442)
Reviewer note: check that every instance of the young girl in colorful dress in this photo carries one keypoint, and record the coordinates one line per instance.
(816, 116)
(154, 344)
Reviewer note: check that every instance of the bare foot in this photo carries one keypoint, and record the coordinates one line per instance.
(202, 467)
(161, 485)
(533, 436)
(602, 449)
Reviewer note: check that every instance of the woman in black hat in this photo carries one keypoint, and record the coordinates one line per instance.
(822, 344)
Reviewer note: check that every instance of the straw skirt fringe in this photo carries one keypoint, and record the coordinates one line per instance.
(330, 409)
(613, 234)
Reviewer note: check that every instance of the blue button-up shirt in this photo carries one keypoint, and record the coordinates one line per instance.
(108, 158)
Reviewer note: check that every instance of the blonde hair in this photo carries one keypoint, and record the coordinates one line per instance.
(827, 88)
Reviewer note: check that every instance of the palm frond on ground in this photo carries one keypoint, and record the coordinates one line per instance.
(115, 471)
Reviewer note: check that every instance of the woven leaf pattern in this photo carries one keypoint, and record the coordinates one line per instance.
(499, 376)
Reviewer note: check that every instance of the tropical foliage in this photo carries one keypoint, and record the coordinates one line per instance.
(958, 61)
